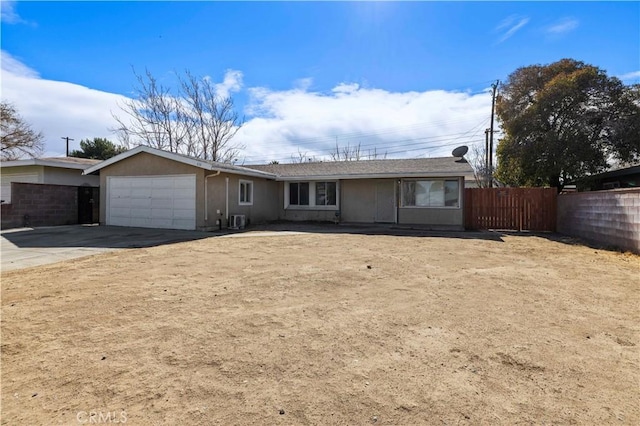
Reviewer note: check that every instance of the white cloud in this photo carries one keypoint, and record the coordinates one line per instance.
(510, 25)
(13, 66)
(405, 124)
(563, 26)
(232, 83)
(281, 122)
(8, 14)
(630, 76)
(57, 108)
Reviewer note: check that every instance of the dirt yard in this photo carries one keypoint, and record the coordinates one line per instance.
(326, 329)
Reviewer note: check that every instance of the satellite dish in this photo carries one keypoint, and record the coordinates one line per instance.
(460, 151)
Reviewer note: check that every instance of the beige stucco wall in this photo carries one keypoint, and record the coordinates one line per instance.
(263, 209)
(358, 200)
(58, 176)
(436, 217)
(144, 164)
(358, 205)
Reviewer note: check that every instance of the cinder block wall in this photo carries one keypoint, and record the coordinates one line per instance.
(610, 218)
(45, 205)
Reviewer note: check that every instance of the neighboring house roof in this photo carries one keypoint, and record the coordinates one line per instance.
(196, 162)
(367, 169)
(625, 171)
(61, 162)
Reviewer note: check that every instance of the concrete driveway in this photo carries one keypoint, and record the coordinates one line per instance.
(26, 247)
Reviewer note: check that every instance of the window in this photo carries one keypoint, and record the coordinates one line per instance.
(310, 195)
(246, 192)
(299, 193)
(430, 193)
(325, 193)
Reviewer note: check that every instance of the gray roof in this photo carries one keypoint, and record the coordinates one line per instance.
(60, 162)
(196, 162)
(425, 167)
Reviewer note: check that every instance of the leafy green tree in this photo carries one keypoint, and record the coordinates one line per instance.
(97, 149)
(563, 121)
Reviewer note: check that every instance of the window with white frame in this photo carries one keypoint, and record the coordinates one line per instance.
(431, 193)
(321, 195)
(245, 196)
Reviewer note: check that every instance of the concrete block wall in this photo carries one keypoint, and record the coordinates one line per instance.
(45, 205)
(610, 218)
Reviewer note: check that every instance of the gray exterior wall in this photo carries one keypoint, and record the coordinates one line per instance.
(263, 209)
(358, 200)
(610, 218)
(358, 205)
(144, 164)
(59, 176)
(440, 218)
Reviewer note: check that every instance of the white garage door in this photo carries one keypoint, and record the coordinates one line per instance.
(152, 202)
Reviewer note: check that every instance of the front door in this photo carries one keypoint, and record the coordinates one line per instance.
(85, 204)
(386, 201)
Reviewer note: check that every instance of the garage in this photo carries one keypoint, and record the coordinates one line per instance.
(152, 201)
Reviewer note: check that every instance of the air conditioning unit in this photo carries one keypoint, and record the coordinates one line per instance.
(237, 221)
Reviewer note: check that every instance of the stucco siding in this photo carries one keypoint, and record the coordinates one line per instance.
(263, 208)
(436, 217)
(144, 164)
(358, 204)
(59, 176)
(358, 200)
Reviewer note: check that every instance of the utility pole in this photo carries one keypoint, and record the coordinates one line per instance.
(493, 108)
(485, 173)
(67, 138)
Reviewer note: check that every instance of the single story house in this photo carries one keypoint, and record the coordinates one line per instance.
(47, 191)
(152, 188)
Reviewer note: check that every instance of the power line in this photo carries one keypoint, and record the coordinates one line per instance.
(345, 137)
(392, 147)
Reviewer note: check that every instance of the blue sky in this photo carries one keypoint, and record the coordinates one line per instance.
(407, 78)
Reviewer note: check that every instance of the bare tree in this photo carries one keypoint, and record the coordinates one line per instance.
(152, 117)
(302, 157)
(354, 153)
(212, 119)
(346, 153)
(196, 121)
(478, 162)
(18, 139)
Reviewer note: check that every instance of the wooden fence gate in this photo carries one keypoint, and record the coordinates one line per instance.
(521, 209)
